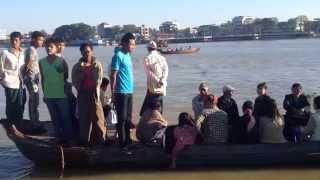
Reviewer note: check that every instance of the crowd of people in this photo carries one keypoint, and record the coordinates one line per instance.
(81, 118)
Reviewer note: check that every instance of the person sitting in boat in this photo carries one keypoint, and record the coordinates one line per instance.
(198, 101)
(245, 130)
(262, 91)
(227, 104)
(313, 126)
(271, 123)
(297, 113)
(104, 98)
(152, 125)
(213, 122)
(185, 134)
(87, 77)
(53, 70)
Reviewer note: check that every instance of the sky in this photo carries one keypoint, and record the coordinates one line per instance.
(29, 15)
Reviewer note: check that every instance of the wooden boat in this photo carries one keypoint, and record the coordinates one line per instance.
(179, 51)
(44, 152)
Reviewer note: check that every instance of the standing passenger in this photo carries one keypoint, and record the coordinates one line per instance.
(11, 63)
(156, 68)
(87, 77)
(122, 87)
(52, 69)
(198, 101)
(32, 75)
(227, 104)
(298, 112)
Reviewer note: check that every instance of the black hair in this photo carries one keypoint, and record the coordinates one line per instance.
(50, 41)
(185, 119)
(316, 102)
(247, 105)
(84, 45)
(268, 108)
(296, 85)
(36, 34)
(105, 81)
(59, 40)
(15, 34)
(126, 38)
(262, 85)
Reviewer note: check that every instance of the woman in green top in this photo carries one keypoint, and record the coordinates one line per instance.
(53, 70)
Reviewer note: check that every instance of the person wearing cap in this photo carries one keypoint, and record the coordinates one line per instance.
(297, 112)
(156, 69)
(227, 104)
(198, 100)
(213, 122)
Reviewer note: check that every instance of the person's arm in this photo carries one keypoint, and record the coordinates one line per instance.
(42, 76)
(115, 66)
(149, 72)
(1, 66)
(165, 71)
(287, 104)
(65, 70)
(309, 128)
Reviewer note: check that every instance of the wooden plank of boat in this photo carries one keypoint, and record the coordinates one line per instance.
(249, 155)
(183, 51)
(44, 152)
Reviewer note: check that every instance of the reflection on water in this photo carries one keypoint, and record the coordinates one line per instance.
(241, 64)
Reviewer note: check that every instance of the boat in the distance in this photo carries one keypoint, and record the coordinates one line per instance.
(187, 50)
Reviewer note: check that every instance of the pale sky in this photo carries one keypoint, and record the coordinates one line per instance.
(28, 15)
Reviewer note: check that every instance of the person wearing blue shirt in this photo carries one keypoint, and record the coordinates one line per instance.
(122, 87)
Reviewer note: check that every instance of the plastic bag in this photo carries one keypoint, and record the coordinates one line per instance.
(112, 116)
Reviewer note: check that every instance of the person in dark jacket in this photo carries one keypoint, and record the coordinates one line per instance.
(227, 104)
(245, 129)
(297, 113)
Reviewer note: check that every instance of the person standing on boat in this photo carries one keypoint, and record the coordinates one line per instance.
(156, 68)
(198, 101)
(297, 113)
(32, 75)
(262, 91)
(87, 77)
(11, 65)
(52, 70)
(122, 87)
(227, 104)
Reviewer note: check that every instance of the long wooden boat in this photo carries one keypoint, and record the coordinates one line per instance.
(179, 51)
(44, 152)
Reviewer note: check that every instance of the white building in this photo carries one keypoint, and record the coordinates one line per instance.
(145, 32)
(243, 20)
(169, 27)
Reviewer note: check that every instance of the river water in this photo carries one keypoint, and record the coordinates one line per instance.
(240, 64)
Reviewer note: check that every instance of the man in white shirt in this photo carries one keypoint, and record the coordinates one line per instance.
(11, 64)
(156, 68)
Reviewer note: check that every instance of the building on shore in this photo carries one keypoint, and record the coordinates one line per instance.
(169, 27)
(145, 32)
(243, 20)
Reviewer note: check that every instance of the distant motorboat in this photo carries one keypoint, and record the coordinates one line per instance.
(189, 50)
